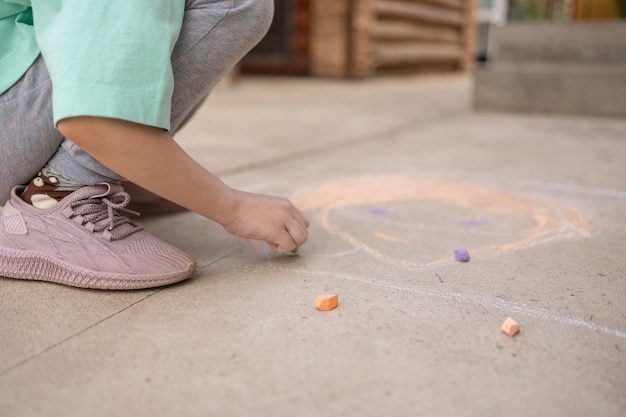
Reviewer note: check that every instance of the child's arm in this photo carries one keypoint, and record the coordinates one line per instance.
(149, 157)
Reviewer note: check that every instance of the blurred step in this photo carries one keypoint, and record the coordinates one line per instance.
(592, 43)
(582, 89)
(558, 68)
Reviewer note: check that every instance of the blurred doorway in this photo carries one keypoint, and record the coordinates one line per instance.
(285, 48)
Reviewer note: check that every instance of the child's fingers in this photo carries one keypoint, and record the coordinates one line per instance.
(292, 236)
(284, 244)
(298, 234)
(300, 217)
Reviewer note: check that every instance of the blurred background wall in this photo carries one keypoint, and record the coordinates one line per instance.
(366, 38)
(554, 57)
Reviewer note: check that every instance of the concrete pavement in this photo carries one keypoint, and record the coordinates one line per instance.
(395, 174)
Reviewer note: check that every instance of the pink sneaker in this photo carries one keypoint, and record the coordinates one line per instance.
(85, 242)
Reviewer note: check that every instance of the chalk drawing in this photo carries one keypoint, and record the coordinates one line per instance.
(390, 238)
(379, 211)
(491, 302)
(537, 185)
(334, 254)
(473, 222)
(545, 219)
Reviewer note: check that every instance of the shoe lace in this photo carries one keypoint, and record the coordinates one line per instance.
(102, 214)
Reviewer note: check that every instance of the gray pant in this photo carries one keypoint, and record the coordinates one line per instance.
(210, 44)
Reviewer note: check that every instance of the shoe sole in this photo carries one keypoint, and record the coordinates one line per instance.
(37, 267)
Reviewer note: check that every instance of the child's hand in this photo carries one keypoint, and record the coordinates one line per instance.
(271, 219)
(116, 143)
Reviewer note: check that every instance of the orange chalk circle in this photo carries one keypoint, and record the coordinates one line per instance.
(326, 302)
(518, 219)
(390, 238)
(510, 327)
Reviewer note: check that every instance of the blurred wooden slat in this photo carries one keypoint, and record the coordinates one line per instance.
(363, 38)
(395, 54)
(418, 11)
(452, 4)
(398, 30)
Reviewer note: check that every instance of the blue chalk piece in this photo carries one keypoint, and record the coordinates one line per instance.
(461, 255)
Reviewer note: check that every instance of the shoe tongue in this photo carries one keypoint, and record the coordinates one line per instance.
(93, 191)
(107, 189)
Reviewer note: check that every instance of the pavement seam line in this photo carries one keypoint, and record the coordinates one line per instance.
(24, 361)
(200, 268)
(59, 343)
(343, 144)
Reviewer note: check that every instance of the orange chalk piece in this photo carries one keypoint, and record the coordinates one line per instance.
(326, 302)
(510, 327)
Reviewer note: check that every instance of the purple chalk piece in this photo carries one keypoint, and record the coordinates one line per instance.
(461, 255)
(379, 211)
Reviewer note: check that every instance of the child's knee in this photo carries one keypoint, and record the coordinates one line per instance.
(258, 16)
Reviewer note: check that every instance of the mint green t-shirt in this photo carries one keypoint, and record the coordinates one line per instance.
(18, 47)
(105, 58)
